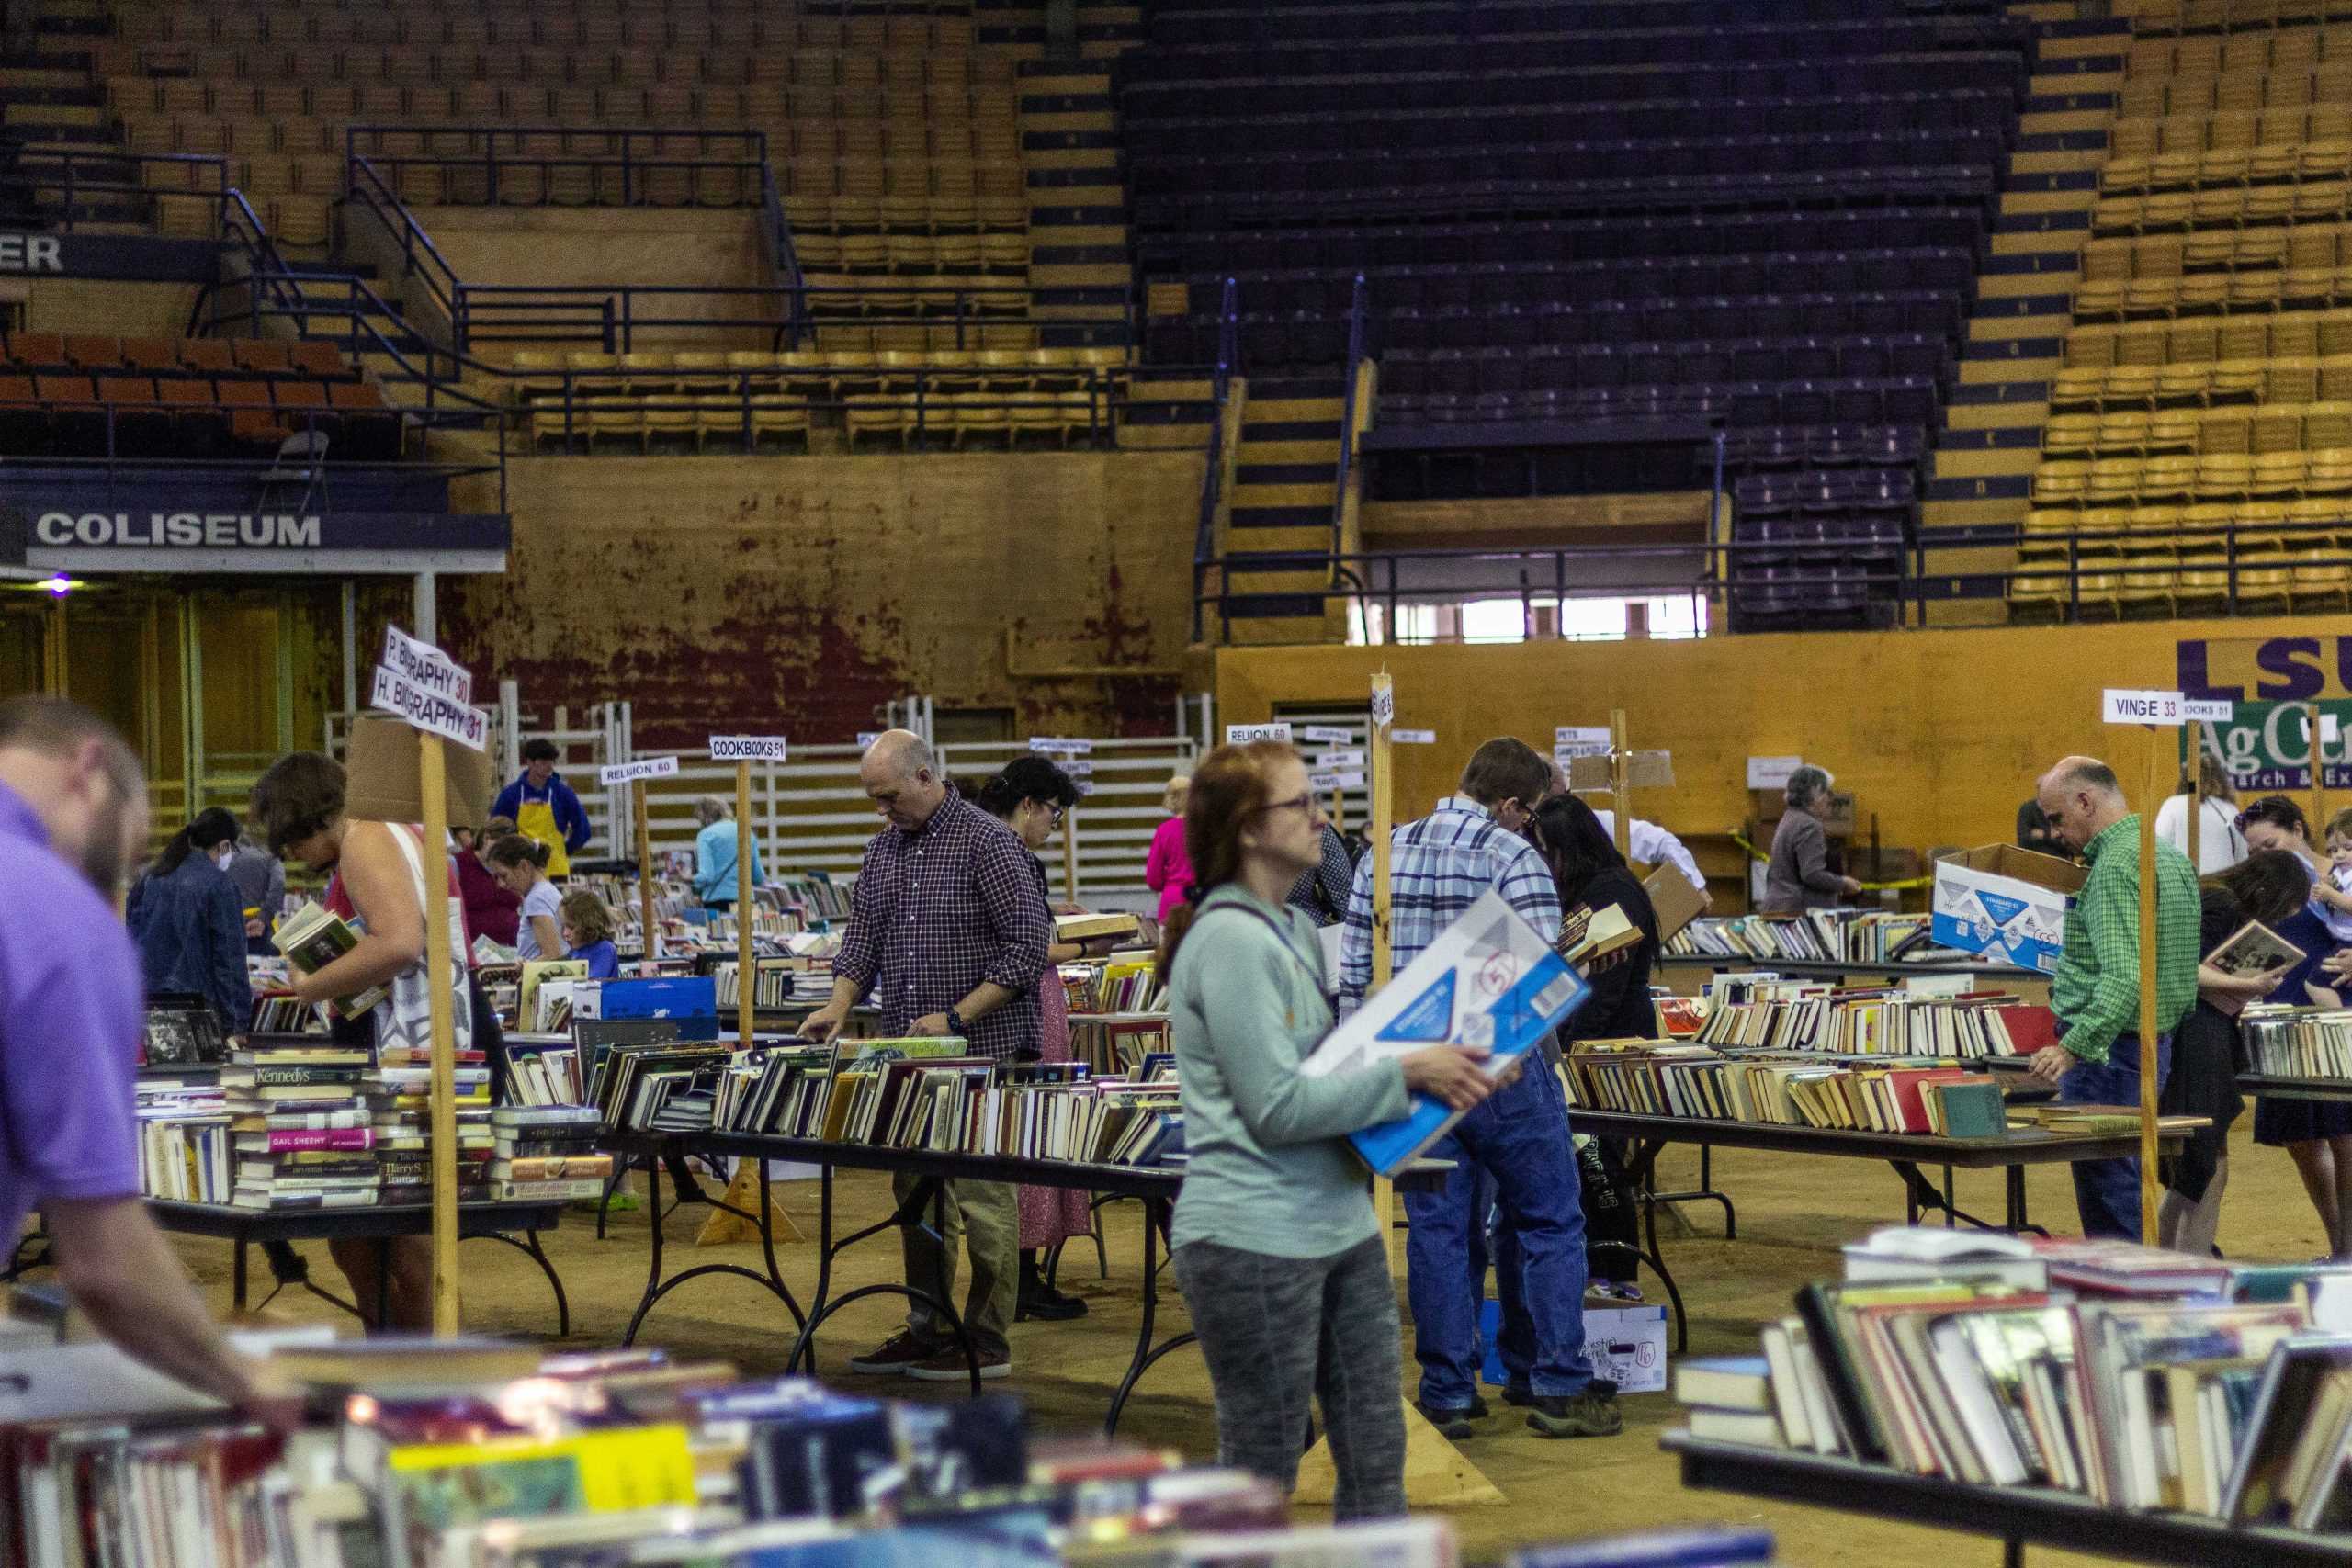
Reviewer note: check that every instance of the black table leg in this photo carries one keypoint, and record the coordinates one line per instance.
(1705, 1192)
(925, 1192)
(383, 1283)
(1950, 1211)
(237, 1278)
(2013, 1179)
(1673, 1295)
(2012, 1553)
(530, 1246)
(688, 1191)
(1920, 1194)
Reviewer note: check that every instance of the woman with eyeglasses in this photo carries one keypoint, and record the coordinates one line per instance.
(1276, 1243)
(2316, 1134)
(1031, 795)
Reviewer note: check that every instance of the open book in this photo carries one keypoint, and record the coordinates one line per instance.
(314, 937)
(2255, 949)
(1586, 934)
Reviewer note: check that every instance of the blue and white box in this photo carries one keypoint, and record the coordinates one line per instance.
(2004, 904)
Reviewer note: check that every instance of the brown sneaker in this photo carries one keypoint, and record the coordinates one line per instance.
(950, 1366)
(893, 1356)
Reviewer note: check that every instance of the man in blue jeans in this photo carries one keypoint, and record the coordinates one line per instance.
(2094, 991)
(1519, 1136)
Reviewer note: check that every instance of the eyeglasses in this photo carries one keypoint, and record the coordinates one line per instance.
(1056, 814)
(1302, 803)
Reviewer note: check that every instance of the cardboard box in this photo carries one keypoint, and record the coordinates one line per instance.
(2006, 904)
(1677, 903)
(1625, 1344)
(379, 768)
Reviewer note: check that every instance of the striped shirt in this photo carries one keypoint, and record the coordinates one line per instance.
(1438, 867)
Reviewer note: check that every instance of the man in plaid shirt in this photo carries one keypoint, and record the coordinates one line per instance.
(1514, 1144)
(949, 931)
(2094, 991)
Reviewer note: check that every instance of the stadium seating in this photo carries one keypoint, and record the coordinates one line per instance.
(1766, 216)
(75, 396)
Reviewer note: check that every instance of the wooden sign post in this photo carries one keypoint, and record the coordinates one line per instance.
(2195, 752)
(1382, 776)
(1069, 857)
(434, 694)
(2161, 712)
(650, 944)
(1618, 771)
(634, 775)
(2319, 782)
(1620, 810)
(742, 1191)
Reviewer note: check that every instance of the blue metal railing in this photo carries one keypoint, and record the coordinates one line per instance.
(1357, 325)
(1228, 348)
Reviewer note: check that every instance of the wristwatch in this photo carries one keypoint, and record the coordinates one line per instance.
(956, 1026)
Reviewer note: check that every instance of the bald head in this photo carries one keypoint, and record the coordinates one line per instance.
(900, 775)
(2082, 798)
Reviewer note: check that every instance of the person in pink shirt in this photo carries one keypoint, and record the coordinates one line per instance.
(1168, 869)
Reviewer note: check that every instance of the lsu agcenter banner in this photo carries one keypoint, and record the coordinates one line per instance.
(2267, 744)
(84, 541)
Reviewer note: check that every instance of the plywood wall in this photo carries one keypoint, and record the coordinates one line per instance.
(804, 592)
(1940, 733)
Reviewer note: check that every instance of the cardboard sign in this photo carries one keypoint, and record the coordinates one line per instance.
(380, 766)
(1413, 737)
(1243, 734)
(429, 711)
(1047, 743)
(2125, 705)
(2208, 713)
(1772, 772)
(425, 666)
(643, 767)
(747, 748)
(1326, 734)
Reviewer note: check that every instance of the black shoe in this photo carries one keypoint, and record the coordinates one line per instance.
(1518, 1393)
(1592, 1414)
(1047, 1305)
(1454, 1423)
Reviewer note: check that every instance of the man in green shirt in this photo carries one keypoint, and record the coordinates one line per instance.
(2096, 989)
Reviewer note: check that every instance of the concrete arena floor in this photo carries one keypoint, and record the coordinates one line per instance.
(1793, 1212)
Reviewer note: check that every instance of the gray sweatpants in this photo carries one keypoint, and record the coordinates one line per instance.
(1276, 1329)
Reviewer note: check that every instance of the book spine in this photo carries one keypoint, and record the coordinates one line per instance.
(1841, 1373)
(329, 1138)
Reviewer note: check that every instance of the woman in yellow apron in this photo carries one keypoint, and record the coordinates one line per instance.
(543, 807)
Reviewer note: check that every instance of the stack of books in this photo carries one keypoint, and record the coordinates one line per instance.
(1874, 1020)
(1818, 936)
(1665, 1078)
(547, 1154)
(183, 1141)
(400, 1104)
(2142, 1378)
(544, 1071)
(1114, 986)
(781, 1093)
(773, 983)
(299, 1124)
(2297, 1041)
(1119, 1044)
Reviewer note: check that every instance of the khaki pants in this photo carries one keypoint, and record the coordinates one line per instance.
(987, 1216)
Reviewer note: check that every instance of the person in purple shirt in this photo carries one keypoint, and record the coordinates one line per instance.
(72, 814)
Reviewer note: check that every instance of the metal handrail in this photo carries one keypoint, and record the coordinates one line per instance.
(783, 255)
(1707, 568)
(1357, 325)
(1205, 534)
(365, 185)
(611, 316)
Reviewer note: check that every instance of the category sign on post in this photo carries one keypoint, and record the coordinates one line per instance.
(1579, 741)
(432, 692)
(1772, 772)
(2157, 710)
(743, 751)
(1246, 734)
(1324, 734)
(634, 775)
(1413, 737)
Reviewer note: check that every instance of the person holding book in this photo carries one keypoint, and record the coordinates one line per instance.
(2220, 845)
(715, 846)
(1592, 877)
(2095, 991)
(1030, 796)
(1274, 1242)
(2316, 1133)
(2268, 888)
(1167, 870)
(72, 812)
(520, 864)
(490, 910)
(949, 932)
(588, 933)
(1797, 877)
(189, 924)
(544, 808)
(1438, 866)
(376, 884)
